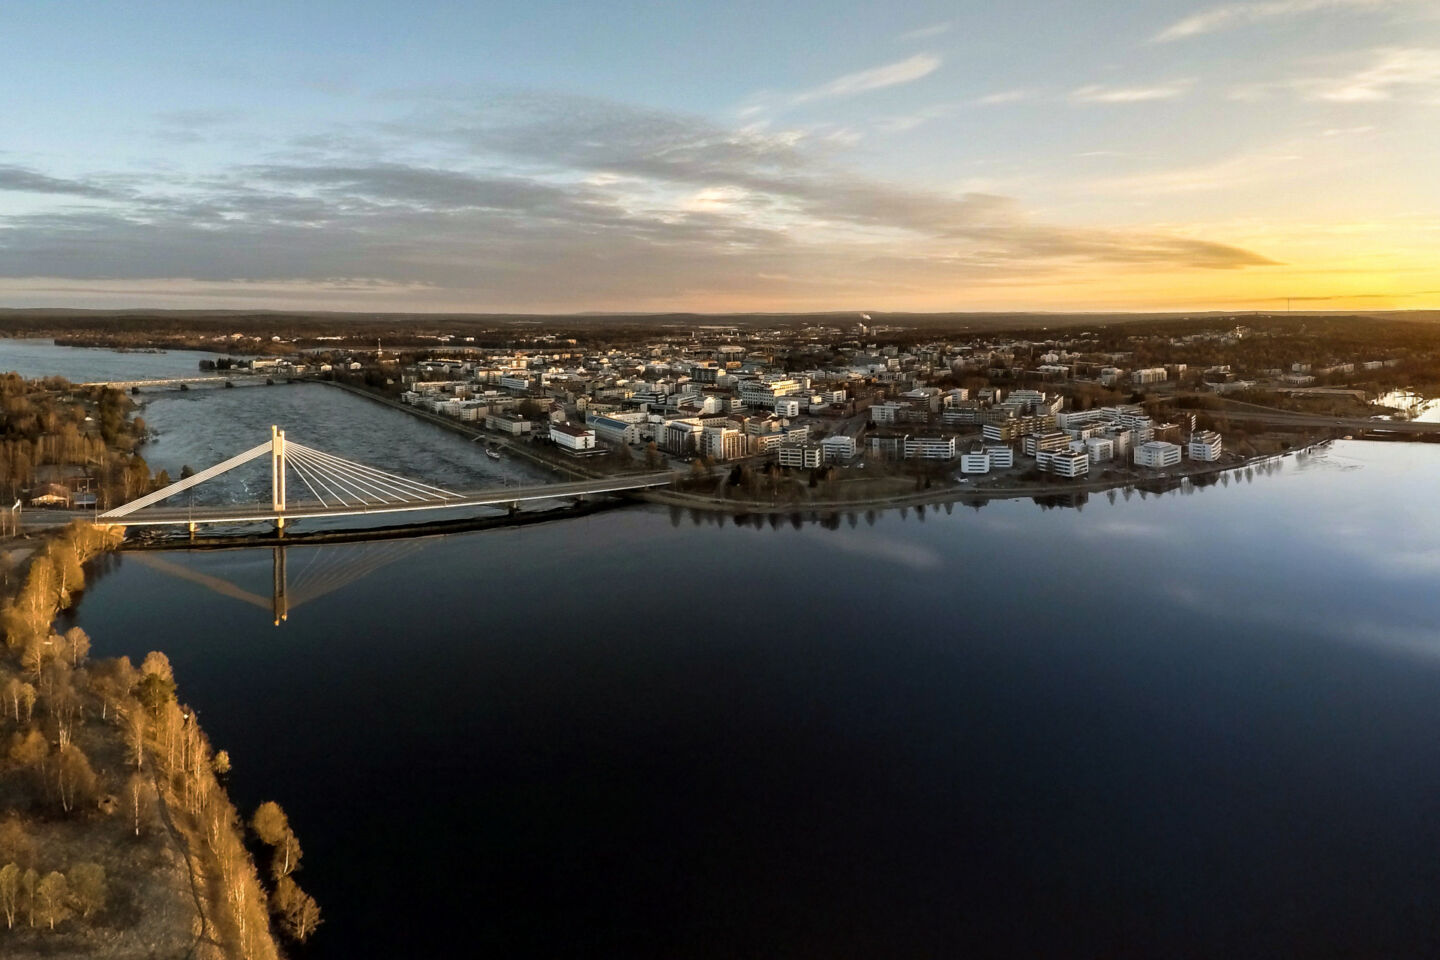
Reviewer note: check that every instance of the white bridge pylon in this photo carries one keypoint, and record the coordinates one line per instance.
(331, 480)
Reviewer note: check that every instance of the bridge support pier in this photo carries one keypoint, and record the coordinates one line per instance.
(193, 527)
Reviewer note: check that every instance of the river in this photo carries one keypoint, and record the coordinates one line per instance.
(1192, 725)
(42, 358)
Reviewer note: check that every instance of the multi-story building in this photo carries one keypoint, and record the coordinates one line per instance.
(788, 406)
(1006, 430)
(1100, 449)
(1142, 428)
(612, 429)
(1157, 454)
(838, 447)
(1149, 375)
(1034, 443)
(724, 443)
(681, 436)
(506, 423)
(961, 412)
(1122, 438)
(975, 460)
(1063, 463)
(928, 448)
(806, 456)
(1001, 456)
(1205, 445)
(572, 439)
(884, 413)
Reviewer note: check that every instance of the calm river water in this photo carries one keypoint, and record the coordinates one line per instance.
(1182, 726)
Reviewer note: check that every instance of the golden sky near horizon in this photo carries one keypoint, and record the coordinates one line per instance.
(557, 157)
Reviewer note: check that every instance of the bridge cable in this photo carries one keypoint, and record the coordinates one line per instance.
(395, 478)
(300, 471)
(383, 486)
(357, 484)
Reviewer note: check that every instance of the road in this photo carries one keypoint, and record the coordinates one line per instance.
(262, 512)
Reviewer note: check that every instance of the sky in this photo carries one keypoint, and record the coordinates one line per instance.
(1063, 155)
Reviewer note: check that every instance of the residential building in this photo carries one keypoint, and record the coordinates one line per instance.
(838, 447)
(803, 455)
(724, 443)
(1205, 445)
(1157, 454)
(507, 423)
(1100, 449)
(1001, 456)
(975, 460)
(928, 448)
(681, 436)
(1063, 463)
(1149, 375)
(572, 439)
(1034, 443)
(613, 430)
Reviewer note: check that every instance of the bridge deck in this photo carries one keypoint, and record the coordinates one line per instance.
(260, 512)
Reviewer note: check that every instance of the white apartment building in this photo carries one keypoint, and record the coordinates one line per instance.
(1149, 375)
(1063, 463)
(839, 447)
(975, 460)
(1123, 439)
(1001, 456)
(765, 442)
(681, 436)
(724, 443)
(1157, 454)
(1079, 419)
(1142, 428)
(1205, 445)
(884, 413)
(571, 438)
(803, 455)
(505, 423)
(1100, 449)
(787, 406)
(612, 429)
(928, 448)
(1034, 443)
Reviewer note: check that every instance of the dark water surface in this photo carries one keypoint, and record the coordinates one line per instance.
(32, 357)
(1181, 726)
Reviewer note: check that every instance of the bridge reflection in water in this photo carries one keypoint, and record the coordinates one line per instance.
(312, 573)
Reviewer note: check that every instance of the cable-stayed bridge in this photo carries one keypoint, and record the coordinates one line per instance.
(331, 486)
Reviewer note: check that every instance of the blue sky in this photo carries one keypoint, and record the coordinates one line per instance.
(709, 156)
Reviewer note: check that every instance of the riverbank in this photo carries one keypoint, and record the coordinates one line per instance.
(118, 838)
(944, 491)
(948, 493)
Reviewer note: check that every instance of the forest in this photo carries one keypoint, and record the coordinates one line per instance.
(84, 437)
(107, 780)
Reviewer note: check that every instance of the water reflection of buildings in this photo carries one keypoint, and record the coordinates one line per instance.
(832, 518)
(311, 574)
